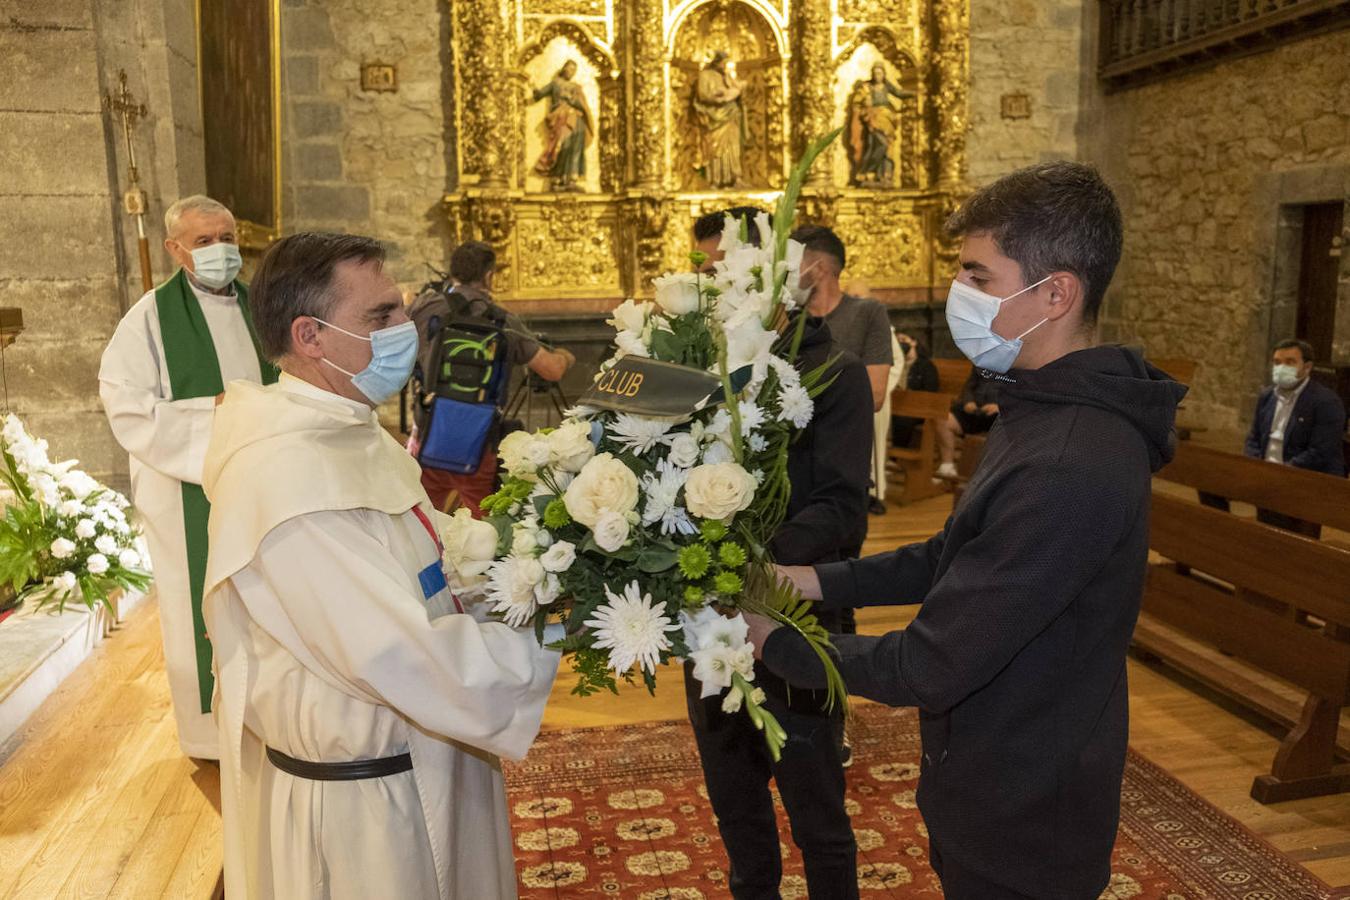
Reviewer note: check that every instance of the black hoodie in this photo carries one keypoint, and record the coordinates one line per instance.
(1016, 660)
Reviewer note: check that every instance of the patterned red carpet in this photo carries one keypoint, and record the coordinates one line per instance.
(622, 812)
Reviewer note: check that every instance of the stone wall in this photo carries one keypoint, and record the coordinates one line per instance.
(70, 259)
(1207, 166)
(359, 161)
(1031, 47)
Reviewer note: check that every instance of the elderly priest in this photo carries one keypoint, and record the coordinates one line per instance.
(168, 362)
(360, 711)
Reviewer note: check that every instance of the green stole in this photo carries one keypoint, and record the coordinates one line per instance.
(194, 371)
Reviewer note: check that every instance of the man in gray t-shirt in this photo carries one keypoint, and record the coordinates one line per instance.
(857, 324)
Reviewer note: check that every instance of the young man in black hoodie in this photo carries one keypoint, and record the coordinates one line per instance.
(1016, 660)
(826, 521)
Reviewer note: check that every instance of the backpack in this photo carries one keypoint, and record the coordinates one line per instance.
(460, 382)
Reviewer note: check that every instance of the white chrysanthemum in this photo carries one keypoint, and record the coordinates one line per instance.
(63, 548)
(64, 584)
(683, 450)
(71, 508)
(129, 559)
(632, 629)
(638, 433)
(752, 416)
(796, 406)
(511, 588)
(106, 544)
(85, 529)
(757, 443)
(662, 490)
(97, 563)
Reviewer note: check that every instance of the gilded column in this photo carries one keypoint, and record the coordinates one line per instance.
(488, 88)
(647, 92)
(948, 88)
(812, 73)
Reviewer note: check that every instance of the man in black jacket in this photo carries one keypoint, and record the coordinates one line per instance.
(1298, 421)
(826, 521)
(1029, 595)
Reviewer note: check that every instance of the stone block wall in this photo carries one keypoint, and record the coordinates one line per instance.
(1208, 166)
(1031, 47)
(70, 259)
(367, 162)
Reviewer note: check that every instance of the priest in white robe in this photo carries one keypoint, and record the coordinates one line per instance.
(168, 361)
(361, 713)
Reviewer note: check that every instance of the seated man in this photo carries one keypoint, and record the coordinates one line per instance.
(1299, 422)
(472, 267)
(360, 714)
(973, 412)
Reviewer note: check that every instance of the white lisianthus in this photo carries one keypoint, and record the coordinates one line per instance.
(632, 628)
(718, 452)
(677, 293)
(85, 529)
(522, 453)
(683, 450)
(630, 316)
(570, 446)
(796, 406)
(603, 484)
(525, 537)
(611, 531)
(97, 563)
(470, 544)
(106, 544)
(559, 558)
(129, 559)
(511, 588)
(63, 548)
(719, 491)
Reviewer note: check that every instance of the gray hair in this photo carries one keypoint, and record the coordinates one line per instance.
(196, 203)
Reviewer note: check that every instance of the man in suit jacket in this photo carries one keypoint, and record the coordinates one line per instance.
(1299, 422)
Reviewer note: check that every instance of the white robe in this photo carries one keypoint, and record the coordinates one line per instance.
(881, 421)
(328, 650)
(166, 439)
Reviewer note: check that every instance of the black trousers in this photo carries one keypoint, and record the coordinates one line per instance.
(959, 883)
(737, 768)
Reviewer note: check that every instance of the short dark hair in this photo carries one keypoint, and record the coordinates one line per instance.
(1050, 217)
(1303, 347)
(294, 278)
(471, 262)
(710, 224)
(821, 240)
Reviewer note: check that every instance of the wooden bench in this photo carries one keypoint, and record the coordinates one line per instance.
(1269, 602)
(952, 374)
(1182, 370)
(919, 464)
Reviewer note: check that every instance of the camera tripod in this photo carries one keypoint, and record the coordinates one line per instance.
(555, 401)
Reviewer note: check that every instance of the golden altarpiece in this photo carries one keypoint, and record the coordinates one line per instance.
(591, 133)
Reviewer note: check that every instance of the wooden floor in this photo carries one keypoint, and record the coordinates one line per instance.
(96, 800)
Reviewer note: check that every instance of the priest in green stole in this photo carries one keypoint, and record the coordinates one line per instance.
(161, 374)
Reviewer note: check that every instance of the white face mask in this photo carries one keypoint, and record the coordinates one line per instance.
(1285, 377)
(216, 265)
(970, 316)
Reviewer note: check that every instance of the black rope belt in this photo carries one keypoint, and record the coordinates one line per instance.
(356, 770)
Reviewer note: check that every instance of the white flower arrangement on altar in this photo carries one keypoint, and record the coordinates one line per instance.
(647, 535)
(63, 536)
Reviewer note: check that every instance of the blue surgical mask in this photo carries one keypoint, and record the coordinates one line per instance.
(970, 316)
(216, 265)
(393, 353)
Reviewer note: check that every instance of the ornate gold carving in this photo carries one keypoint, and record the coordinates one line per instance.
(870, 47)
(883, 254)
(643, 51)
(488, 84)
(646, 220)
(896, 13)
(567, 248)
(811, 71)
(949, 76)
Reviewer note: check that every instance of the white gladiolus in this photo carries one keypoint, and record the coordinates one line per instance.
(677, 293)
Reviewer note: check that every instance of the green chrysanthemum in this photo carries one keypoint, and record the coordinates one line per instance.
(694, 561)
(556, 515)
(693, 595)
(727, 583)
(713, 530)
(732, 555)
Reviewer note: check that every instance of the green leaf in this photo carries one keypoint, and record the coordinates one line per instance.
(655, 559)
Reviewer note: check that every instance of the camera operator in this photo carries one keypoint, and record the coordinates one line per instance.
(472, 266)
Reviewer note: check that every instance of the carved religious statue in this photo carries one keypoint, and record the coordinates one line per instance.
(567, 128)
(720, 117)
(874, 125)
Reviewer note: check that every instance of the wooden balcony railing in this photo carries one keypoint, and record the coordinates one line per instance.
(1142, 40)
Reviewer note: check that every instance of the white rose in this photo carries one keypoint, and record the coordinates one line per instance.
(559, 557)
(470, 544)
(129, 559)
(570, 446)
(85, 529)
(106, 543)
(522, 453)
(62, 548)
(525, 538)
(683, 450)
(630, 316)
(718, 491)
(611, 531)
(677, 294)
(604, 484)
(98, 564)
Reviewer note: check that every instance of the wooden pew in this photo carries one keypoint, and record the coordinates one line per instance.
(952, 374)
(1272, 601)
(919, 464)
(1182, 370)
